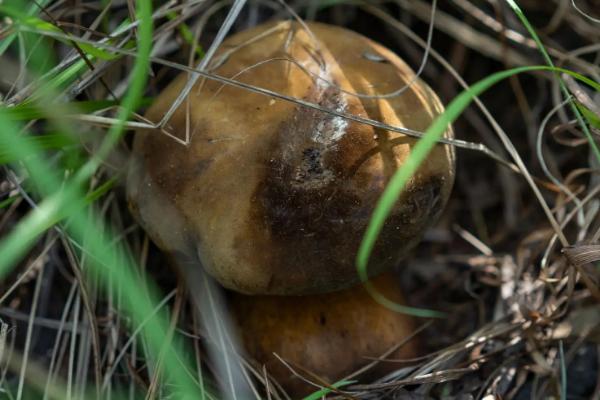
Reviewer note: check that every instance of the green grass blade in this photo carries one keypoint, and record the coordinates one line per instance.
(36, 49)
(109, 260)
(418, 154)
(325, 391)
(101, 190)
(30, 110)
(132, 99)
(565, 91)
(187, 35)
(37, 144)
(6, 42)
(40, 26)
(7, 202)
(24, 235)
(589, 115)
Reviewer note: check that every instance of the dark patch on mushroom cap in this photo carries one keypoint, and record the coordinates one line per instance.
(315, 232)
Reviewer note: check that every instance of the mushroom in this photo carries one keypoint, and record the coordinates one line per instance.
(273, 197)
(329, 335)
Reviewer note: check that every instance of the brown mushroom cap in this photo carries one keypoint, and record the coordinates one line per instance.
(330, 335)
(274, 198)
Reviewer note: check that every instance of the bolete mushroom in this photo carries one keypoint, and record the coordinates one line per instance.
(274, 197)
(324, 337)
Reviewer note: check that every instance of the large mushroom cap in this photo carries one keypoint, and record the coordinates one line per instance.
(328, 336)
(273, 197)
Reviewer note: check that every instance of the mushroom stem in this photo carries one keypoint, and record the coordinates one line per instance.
(325, 337)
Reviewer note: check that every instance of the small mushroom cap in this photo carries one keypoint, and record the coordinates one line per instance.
(273, 197)
(330, 335)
